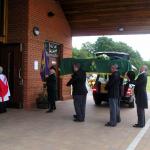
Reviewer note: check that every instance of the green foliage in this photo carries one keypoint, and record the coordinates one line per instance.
(148, 84)
(75, 53)
(104, 44)
(88, 47)
(148, 65)
(82, 53)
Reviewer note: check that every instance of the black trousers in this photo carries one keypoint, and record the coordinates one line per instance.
(141, 116)
(51, 102)
(80, 106)
(3, 107)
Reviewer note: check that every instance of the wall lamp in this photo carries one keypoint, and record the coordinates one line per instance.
(50, 14)
(36, 31)
(120, 29)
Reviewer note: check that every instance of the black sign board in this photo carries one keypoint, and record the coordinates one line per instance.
(51, 47)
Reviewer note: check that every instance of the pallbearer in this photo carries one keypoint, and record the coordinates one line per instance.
(78, 81)
(141, 96)
(113, 87)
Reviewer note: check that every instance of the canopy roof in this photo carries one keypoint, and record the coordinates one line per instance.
(99, 17)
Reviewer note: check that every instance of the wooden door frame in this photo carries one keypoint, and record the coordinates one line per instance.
(3, 38)
(59, 78)
(21, 50)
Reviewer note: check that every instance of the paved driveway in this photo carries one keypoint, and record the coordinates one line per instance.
(36, 130)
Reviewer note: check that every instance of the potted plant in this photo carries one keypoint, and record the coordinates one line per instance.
(42, 101)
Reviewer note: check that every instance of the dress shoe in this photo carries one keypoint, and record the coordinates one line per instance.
(108, 124)
(78, 120)
(75, 116)
(118, 120)
(138, 126)
(49, 111)
(54, 108)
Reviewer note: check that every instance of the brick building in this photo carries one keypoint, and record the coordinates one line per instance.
(22, 48)
(57, 21)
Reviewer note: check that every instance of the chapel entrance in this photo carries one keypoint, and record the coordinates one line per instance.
(11, 61)
(54, 51)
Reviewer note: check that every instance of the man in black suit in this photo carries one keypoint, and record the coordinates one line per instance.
(51, 83)
(78, 81)
(113, 87)
(141, 96)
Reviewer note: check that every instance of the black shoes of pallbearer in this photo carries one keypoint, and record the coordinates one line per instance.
(74, 116)
(49, 111)
(118, 120)
(108, 124)
(138, 126)
(76, 119)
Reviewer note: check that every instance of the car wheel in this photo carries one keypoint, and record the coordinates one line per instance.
(96, 99)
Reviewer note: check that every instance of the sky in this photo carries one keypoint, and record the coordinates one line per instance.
(140, 43)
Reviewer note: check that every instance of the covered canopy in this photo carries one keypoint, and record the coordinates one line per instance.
(107, 17)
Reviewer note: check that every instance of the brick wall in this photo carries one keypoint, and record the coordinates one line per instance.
(23, 16)
(55, 29)
(17, 32)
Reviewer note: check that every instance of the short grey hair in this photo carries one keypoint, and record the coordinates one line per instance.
(145, 68)
(115, 66)
(1, 70)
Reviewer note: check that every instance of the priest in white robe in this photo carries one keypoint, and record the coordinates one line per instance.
(4, 91)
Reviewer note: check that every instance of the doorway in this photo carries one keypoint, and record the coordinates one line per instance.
(11, 61)
(55, 53)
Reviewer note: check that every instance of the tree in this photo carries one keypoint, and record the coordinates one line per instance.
(147, 63)
(75, 53)
(82, 53)
(135, 56)
(104, 44)
(88, 47)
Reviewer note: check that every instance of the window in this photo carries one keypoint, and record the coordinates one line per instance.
(1, 17)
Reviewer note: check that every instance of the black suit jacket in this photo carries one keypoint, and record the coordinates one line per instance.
(140, 91)
(78, 81)
(51, 83)
(113, 85)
